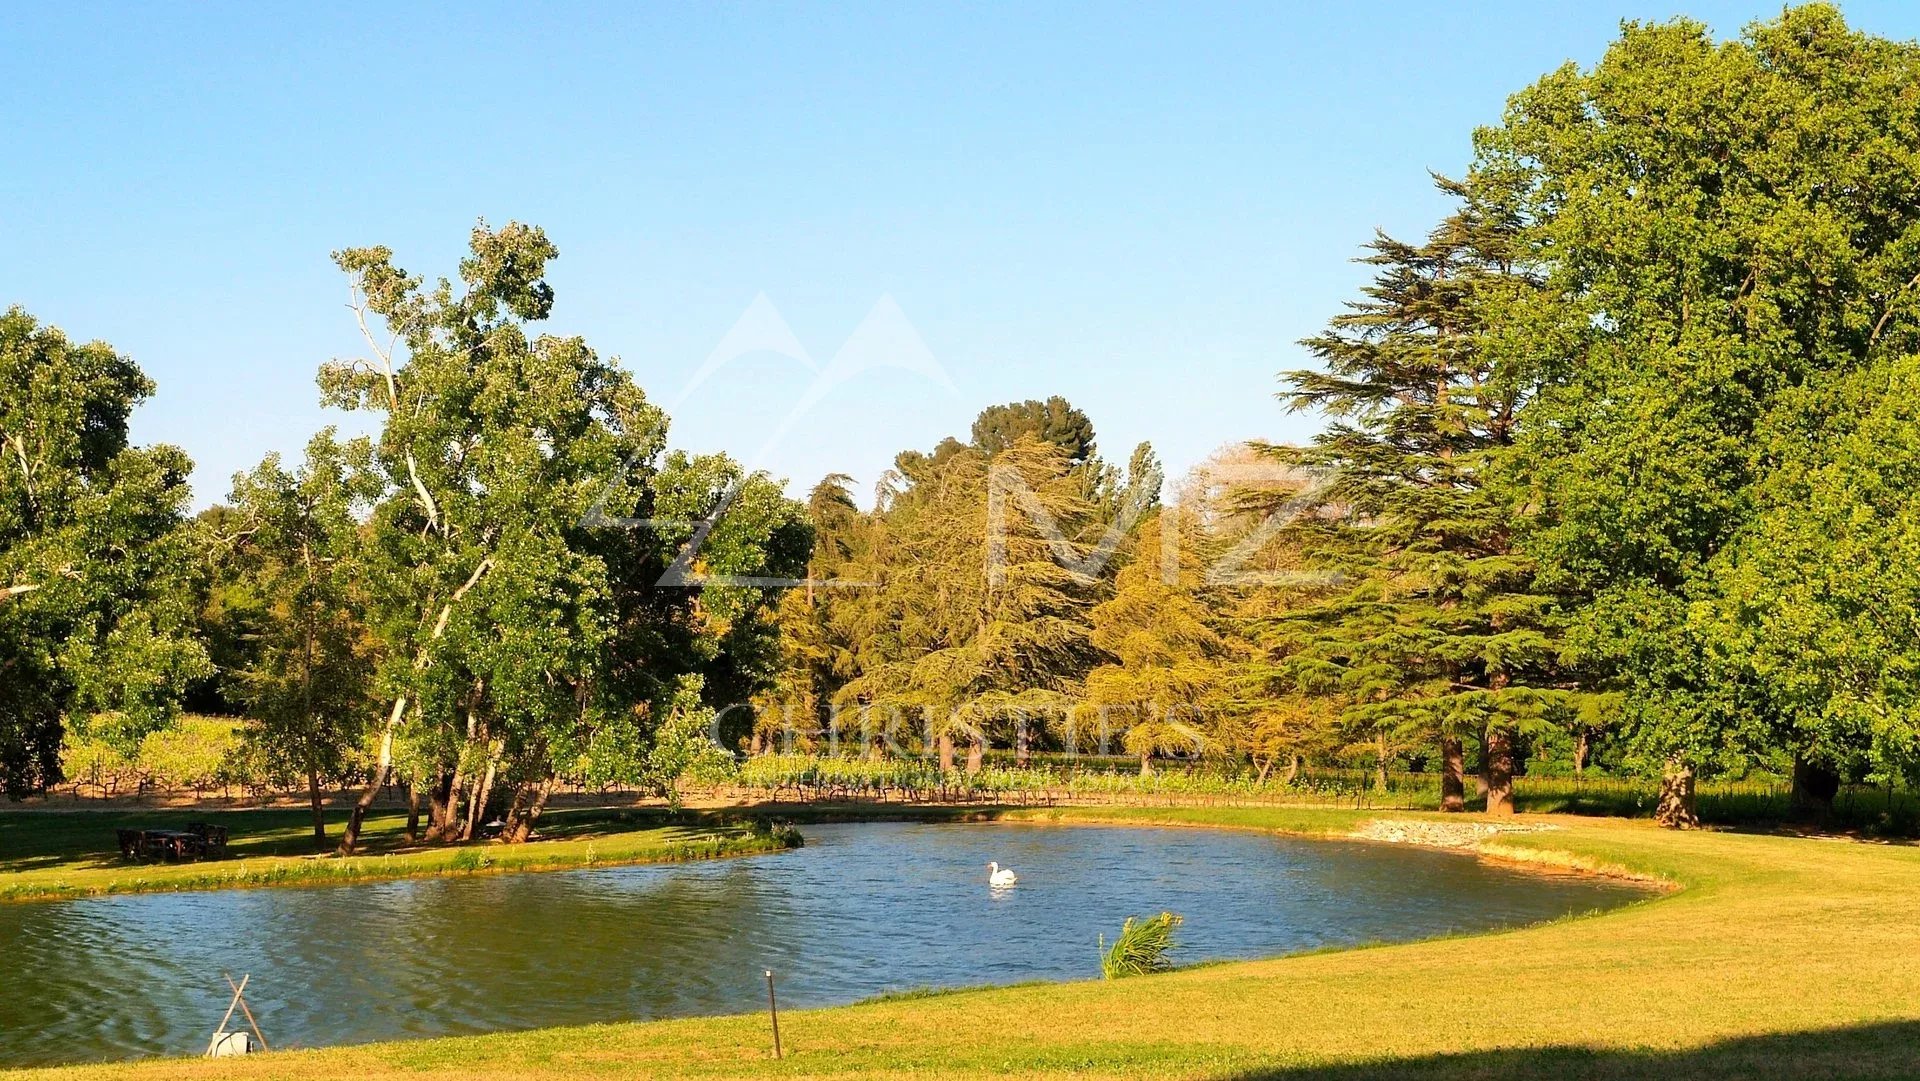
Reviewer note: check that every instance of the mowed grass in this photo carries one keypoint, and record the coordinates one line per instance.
(1779, 957)
(48, 855)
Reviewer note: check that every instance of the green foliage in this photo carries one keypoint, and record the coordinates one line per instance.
(1053, 421)
(523, 626)
(1141, 948)
(1726, 235)
(1167, 669)
(96, 610)
(194, 753)
(1425, 627)
(978, 624)
(289, 569)
(683, 745)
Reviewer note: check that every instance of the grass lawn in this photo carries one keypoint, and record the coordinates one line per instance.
(1780, 957)
(46, 854)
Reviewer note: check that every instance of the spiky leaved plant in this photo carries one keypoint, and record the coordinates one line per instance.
(1142, 947)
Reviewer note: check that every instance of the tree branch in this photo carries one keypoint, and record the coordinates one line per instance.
(1888, 314)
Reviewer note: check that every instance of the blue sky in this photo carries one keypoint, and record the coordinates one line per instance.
(1140, 208)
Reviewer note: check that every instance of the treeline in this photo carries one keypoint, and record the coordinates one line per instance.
(469, 602)
(1615, 473)
(1619, 459)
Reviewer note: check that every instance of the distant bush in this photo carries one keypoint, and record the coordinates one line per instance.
(196, 753)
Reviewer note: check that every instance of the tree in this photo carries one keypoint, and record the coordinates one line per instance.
(96, 604)
(493, 448)
(816, 640)
(1819, 601)
(1167, 669)
(308, 663)
(1725, 227)
(1054, 421)
(540, 577)
(980, 619)
(1428, 629)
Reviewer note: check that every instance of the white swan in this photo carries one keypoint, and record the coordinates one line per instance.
(1000, 877)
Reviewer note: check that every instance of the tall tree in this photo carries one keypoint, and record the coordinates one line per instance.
(1728, 228)
(817, 639)
(542, 579)
(1818, 602)
(1054, 421)
(1430, 630)
(308, 663)
(96, 604)
(494, 449)
(980, 622)
(1167, 668)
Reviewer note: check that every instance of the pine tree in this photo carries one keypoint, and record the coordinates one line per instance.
(1428, 631)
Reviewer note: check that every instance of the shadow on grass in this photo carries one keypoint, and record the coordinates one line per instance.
(1889, 1050)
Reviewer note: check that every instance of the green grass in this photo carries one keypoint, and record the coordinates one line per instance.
(1759, 800)
(1780, 957)
(47, 855)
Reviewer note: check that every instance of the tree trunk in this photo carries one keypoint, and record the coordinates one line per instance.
(1266, 768)
(1676, 807)
(1380, 763)
(1499, 770)
(1453, 774)
(517, 808)
(319, 812)
(754, 744)
(946, 752)
(449, 827)
(518, 831)
(437, 800)
(413, 808)
(1022, 744)
(476, 815)
(976, 754)
(383, 765)
(384, 762)
(1293, 768)
(1814, 786)
(1146, 763)
(1582, 748)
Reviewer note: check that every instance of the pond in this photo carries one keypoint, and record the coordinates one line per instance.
(862, 909)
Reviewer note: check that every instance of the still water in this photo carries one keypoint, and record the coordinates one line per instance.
(862, 909)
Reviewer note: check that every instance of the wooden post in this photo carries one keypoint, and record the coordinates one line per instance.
(773, 1011)
(241, 1000)
(222, 1026)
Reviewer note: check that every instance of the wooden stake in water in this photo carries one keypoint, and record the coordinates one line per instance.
(773, 1011)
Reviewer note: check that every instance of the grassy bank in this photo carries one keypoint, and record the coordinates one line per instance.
(1756, 801)
(1781, 957)
(47, 855)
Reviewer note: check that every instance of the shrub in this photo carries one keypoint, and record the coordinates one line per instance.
(1142, 947)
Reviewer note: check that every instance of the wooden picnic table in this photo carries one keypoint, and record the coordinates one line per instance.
(200, 840)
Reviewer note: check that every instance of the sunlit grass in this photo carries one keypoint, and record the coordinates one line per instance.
(53, 854)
